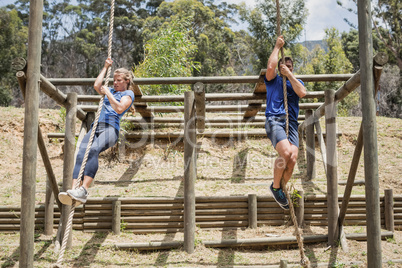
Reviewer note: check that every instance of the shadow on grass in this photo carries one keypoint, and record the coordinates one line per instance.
(90, 249)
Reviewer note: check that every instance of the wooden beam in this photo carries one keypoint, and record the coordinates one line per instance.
(29, 161)
(190, 171)
(202, 79)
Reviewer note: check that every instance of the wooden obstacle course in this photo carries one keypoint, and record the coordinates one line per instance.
(163, 215)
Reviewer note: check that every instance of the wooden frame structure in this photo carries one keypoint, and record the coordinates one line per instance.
(32, 76)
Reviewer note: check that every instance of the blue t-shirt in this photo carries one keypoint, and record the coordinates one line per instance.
(275, 105)
(110, 116)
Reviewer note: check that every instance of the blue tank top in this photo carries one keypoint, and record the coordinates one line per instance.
(275, 105)
(110, 116)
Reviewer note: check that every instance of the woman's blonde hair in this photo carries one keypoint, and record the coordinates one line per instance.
(127, 75)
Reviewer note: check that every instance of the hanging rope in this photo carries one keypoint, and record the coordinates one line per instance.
(285, 92)
(304, 261)
(84, 161)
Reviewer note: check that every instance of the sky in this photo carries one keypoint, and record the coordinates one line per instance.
(322, 14)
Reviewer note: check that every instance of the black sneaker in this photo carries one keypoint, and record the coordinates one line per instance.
(279, 197)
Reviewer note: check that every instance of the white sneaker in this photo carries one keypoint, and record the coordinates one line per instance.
(65, 199)
(79, 194)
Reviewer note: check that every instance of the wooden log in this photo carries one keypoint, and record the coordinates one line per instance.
(264, 217)
(299, 210)
(190, 172)
(41, 144)
(252, 211)
(49, 208)
(116, 218)
(150, 245)
(208, 97)
(320, 138)
(200, 206)
(351, 176)
(310, 147)
(235, 134)
(202, 79)
(349, 86)
(199, 95)
(332, 164)
(29, 161)
(208, 108)
(68, 166)
(369, 134)
(58, 96)
(125, 213)
(389, 210)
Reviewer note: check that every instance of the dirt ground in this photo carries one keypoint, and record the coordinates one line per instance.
(224, 168)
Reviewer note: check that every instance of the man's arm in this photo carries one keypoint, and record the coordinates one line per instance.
(298, 87)
(273, 59)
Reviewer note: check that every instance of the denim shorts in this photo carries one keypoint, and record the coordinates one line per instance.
(275, 126)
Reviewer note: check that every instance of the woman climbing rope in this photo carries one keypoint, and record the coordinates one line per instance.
(116, 103)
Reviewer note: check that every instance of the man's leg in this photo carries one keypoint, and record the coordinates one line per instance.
(287, 174)
(284, 150)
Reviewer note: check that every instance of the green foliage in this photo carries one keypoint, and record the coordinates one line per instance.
(387, 30)
(262, 25)
(332, 62)
(207, 28)
(170, 53)
(13, 37)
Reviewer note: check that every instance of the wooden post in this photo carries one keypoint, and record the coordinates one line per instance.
(252, 211)
(41, 145)
(116, 217)
(283, 264)
(374, 258)
(379, 61)
(49, 208)
(351, 176)
(199, 92)
(189, 171)
(310, 147)
(29, 161)
(389, 210)
(321, 142)
(332, 165)
(69, 150)
(300, 209)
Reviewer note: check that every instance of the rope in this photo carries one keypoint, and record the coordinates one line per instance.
(285, 92)
(304, 261)
(84, 161)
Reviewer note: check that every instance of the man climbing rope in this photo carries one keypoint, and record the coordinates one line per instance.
(287, 146)
(117, 101)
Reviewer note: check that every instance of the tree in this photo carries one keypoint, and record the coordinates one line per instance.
(332, 62)
(262, 25)
(13, 39)
(209, 30)
(169, 53)
(387, 24)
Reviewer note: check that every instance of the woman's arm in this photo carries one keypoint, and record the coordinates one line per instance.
(118, 106)
(99, 80)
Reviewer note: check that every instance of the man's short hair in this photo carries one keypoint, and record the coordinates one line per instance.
(286, 59)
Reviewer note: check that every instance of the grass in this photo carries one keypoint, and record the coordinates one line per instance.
(160, 173)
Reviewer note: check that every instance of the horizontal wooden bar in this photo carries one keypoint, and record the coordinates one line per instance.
(208, 97)
(208, 108)
(202, 79)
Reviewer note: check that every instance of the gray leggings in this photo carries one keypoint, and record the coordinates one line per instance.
(105, 137)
